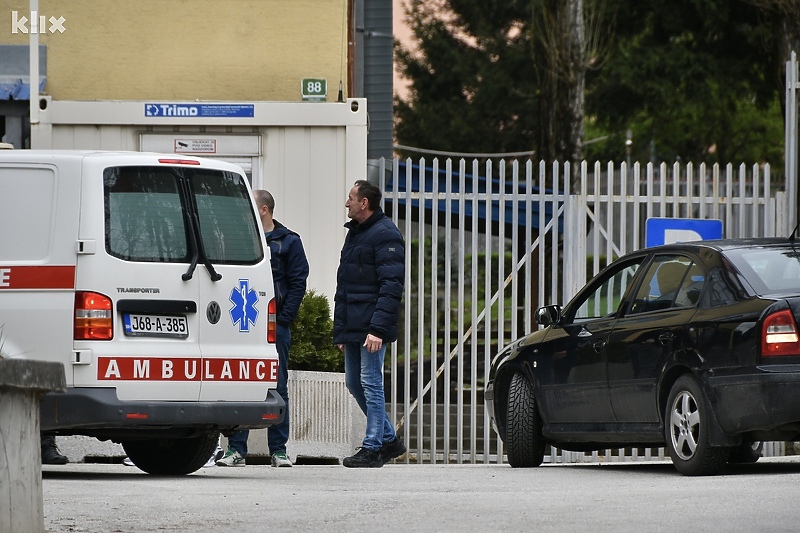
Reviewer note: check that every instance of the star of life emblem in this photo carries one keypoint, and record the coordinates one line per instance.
(244, 311)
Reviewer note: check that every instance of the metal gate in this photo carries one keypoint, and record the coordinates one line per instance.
(489, 242)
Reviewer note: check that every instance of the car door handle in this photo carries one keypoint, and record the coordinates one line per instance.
(666, 338)
(599, 345)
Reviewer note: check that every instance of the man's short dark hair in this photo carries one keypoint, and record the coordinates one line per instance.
(264, 198)
(370, 192)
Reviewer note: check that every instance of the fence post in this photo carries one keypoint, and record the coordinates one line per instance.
(792, 85)
(574, 248)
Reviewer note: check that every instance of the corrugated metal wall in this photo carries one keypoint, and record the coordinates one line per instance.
(374, 71)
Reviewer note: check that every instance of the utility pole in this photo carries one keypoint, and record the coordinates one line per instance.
(790, 147)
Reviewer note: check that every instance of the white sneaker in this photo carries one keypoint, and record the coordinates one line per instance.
(232, 458)
(216, 456)
(280, 459)
(127, 462)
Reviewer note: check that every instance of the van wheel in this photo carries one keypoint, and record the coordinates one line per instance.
(524, 429)
(171, 457)
(686, 431)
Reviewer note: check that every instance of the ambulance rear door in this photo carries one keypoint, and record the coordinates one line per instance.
(236, 288)
(136, 248)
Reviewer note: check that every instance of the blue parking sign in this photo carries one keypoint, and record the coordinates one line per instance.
(670, 230)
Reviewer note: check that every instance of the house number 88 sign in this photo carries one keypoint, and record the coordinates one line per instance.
(314, 89)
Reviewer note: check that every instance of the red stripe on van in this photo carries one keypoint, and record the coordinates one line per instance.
(37, 277)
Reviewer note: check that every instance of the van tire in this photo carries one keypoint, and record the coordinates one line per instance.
(171, 457)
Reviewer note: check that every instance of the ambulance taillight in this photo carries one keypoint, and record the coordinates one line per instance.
(272, 321)
(93, 317)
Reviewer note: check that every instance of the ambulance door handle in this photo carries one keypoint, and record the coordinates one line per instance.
(86, 247)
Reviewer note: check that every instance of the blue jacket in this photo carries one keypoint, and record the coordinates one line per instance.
(369, 282)
(289, 271)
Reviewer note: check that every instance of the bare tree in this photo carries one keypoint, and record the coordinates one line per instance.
(790, 23)
(572, 39)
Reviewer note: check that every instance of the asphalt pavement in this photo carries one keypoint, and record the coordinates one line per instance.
(597, 498)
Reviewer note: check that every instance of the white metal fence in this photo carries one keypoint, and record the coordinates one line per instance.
(489, 242)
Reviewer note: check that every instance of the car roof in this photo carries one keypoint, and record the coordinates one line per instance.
(724, 244)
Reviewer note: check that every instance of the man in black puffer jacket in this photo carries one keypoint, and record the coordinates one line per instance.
(369, 287)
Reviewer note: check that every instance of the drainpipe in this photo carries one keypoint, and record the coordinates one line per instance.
(34, 66)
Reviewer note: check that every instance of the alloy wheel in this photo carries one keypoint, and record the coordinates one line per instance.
(685, 421)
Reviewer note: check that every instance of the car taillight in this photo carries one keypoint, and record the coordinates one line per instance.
(272, 321)
(779, 335)
(93, 317)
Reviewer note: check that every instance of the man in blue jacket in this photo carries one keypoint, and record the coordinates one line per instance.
(369, 287)
(289, 273)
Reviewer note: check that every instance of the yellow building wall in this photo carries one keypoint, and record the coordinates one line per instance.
(234, 50)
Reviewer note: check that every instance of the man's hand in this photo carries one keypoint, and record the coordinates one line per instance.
(373, 343)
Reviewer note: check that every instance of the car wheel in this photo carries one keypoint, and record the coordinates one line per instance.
(746, 452)
(171, 457)
(686, 431)
(524, 427)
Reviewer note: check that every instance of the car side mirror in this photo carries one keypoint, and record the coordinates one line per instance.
(548, 315)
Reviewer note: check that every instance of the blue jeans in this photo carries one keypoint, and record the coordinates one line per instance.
(363, 375)
(278, 434)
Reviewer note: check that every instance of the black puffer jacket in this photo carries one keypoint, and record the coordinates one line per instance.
(289, 271)
(369, 282)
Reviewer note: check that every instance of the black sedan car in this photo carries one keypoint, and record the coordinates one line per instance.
(692, 346)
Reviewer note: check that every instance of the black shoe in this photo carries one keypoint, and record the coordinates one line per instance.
(392, 450)
(364, 458)
(51, 455)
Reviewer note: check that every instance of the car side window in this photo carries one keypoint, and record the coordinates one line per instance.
(720, 291)
(606, 298)
(691, 288)
(670, 281)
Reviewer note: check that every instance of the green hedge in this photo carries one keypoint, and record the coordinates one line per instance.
(312, 337)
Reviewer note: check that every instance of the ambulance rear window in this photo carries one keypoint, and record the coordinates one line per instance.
(227, 223)
(147, 215)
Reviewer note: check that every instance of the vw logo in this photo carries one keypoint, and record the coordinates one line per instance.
(213, 312)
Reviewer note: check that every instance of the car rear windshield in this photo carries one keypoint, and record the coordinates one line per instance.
(149, 212)
(769, 270)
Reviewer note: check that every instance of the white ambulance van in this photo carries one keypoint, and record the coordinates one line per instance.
(148, 277)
